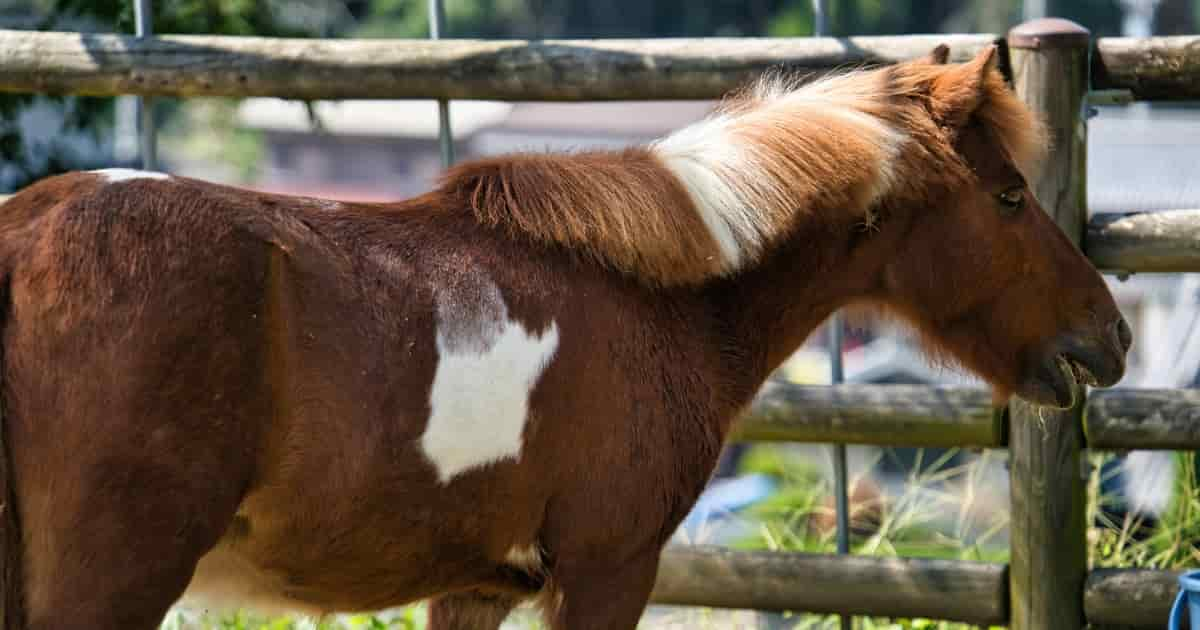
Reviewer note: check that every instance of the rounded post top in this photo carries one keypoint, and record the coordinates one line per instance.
(1049, 33)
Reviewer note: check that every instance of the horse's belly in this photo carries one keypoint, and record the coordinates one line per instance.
(292, 565)
(227, 581)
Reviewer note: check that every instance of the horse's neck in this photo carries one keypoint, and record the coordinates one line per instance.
(772, 309)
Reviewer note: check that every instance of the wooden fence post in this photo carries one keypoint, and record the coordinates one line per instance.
(1046, 466)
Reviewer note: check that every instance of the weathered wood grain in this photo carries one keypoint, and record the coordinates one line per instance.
(555, 70)
(974, 592)
(1130, 598)
(896, 415)
(1163, 241)
(1153, 68)
(1049, 557)
(1143, 419)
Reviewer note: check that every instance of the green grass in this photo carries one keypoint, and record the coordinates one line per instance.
(935, 516)
(1173, 543)
(939, 512)
(410, 618)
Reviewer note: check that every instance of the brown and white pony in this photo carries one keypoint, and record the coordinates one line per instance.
(514, 386)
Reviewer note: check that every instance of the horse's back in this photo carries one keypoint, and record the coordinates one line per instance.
(135, 383)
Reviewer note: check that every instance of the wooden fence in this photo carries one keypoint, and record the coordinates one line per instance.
(1053, 64)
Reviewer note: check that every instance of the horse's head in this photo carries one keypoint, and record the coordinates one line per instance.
(984, 273)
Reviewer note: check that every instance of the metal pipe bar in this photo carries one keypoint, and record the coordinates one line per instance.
(840, 482)
(147, 134)
(820, 19)
(437, 26)
(836, 376)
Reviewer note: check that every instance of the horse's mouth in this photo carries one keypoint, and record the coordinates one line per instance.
(1055, 382)
(1076, 370)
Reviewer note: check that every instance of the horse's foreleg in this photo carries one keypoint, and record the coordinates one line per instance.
(602, 597)
(469, 611)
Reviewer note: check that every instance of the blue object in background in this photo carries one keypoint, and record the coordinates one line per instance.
(727, 496)
(1189, 599)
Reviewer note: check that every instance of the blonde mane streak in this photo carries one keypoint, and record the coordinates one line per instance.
(712, 198)
(621, 209)
(779, 151)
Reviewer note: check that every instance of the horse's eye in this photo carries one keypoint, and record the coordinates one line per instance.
(1012, 199)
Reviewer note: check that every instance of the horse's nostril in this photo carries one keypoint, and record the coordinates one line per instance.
(1124, 334)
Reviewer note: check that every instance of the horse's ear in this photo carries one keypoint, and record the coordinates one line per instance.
(961, 89)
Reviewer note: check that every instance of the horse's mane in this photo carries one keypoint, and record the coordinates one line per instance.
(708, 199)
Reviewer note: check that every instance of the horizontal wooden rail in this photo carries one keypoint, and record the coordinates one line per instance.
(1129, 598)
(974, 592)
(559, 70)
(1143, 419)
(1163, 241)
(918, 415)
(1152, 68)
(554, 70)
(895, 415)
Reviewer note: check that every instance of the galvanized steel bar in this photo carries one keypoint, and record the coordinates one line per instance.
(840, 483)
(437, 25)
(144, 27)
(820, 19)
(836, 376)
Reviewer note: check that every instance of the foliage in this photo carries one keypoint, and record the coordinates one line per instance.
(1173, 542)
(29, 157)
(224, 17)
(934, 515)
(563, 18)
(409, 618)
(206, 130)
(1102, 17)
(662, 18)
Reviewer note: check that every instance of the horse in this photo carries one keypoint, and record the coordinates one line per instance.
(509, 389)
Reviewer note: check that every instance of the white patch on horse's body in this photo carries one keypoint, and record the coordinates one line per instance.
(113, 175)
(487, 366)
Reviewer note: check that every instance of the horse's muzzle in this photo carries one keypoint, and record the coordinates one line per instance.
(1097, 360)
